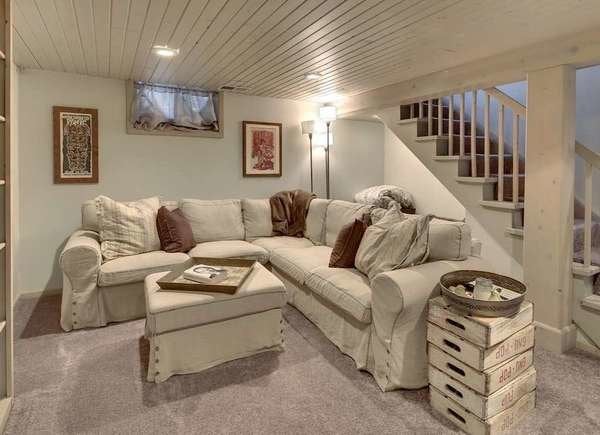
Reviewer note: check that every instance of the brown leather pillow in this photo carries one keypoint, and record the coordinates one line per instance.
(174, 231)
(347, 243)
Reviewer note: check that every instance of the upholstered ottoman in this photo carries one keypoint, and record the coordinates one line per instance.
(190, 332)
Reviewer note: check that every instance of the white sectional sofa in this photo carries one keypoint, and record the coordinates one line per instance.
(380, 324)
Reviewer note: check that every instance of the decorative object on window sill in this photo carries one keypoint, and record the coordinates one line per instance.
(308, 128)
(75, 145)
(327, 113)
(169, 110)
(262, 153)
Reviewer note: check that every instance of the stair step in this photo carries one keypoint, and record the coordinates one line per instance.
(447, 159)
(423, 126)
(477, 180)
(515, 232)
(591, 302)
(508, 162)
(407, 121)
(503, 205)
(580, 270)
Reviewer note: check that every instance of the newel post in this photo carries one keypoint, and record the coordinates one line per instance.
(549, 192)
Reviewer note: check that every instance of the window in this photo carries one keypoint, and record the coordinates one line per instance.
(167, 110)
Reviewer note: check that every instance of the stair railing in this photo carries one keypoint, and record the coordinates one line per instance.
(592, 161)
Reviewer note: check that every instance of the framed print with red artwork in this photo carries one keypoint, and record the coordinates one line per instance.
(262, 149)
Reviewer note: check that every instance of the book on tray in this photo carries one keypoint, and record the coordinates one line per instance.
(205, 274)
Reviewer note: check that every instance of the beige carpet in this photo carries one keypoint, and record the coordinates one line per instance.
(92, 381)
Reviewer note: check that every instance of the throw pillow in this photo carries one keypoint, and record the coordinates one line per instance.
(395, 242)
(174, 231)
(347, 243)
(127, 228)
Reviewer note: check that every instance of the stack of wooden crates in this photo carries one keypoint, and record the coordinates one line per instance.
(481, 373)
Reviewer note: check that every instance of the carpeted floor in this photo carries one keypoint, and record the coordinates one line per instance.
(92, 381)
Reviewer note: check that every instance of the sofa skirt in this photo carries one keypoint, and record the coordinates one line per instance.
(193, 350)
(351, 337)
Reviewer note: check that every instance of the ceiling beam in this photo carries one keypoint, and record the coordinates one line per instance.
(580, 49)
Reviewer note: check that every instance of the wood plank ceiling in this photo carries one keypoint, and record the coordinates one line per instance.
(267, 46)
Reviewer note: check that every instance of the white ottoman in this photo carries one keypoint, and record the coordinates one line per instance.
(190, 332)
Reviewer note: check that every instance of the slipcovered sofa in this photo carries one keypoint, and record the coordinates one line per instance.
(380, 324)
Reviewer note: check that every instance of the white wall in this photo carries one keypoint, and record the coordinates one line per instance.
(402, 168)
(136, 166)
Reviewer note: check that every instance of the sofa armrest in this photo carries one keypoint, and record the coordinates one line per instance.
(399, 309)
(80, 262)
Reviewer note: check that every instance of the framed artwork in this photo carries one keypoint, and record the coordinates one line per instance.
(75, 145)
(262, 149)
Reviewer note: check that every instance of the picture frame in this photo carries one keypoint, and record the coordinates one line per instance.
(75, 132)
(262, 149)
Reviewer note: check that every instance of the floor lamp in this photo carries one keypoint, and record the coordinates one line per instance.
(327, 114)
(307, 128)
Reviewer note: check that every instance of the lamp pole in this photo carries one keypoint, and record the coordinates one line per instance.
(311, 162)
(327, 163)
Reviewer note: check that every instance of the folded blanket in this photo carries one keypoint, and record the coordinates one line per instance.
(288, 212)
(384, 196)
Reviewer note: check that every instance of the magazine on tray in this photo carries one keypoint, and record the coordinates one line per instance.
(205, 274)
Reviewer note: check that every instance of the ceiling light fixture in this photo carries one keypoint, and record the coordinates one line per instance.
(312, 76)
(165, 51)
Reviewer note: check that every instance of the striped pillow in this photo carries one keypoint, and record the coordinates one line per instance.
(127, 228)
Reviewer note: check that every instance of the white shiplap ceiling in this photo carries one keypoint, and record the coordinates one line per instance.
(267, 46)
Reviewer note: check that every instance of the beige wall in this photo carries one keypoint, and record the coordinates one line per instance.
(134, 166)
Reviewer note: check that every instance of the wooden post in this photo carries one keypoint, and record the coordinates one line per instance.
(515, 158)
(450, 125)
(440, 128)
(587, 221)
(501, 151)
(430, 118)
(420, 109)
(474, 134)
(549, 192)
(462, 124)
(486, 146)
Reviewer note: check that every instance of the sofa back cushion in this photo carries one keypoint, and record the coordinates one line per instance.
(340, 213)
(257, 218)
(315, 220)
(127, 228)
(214, 220)
(449, 240)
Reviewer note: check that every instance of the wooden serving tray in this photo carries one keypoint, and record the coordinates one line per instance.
(238, 269)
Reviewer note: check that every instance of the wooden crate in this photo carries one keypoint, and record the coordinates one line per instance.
(483, 407)
(482, 331)
(479, 357)
(484, 382)
(473, 425)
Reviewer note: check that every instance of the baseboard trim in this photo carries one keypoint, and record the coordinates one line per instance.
(554, 339)
(39, 293)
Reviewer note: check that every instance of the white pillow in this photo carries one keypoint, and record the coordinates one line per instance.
(127, 228)
(449, 240)
(315, 220)
(393, 243)
(340, 213)
(214, 220)
(257, 218)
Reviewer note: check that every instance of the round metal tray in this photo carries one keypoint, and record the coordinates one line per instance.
(477, 307)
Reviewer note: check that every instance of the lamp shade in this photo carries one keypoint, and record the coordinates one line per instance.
(328, 113)
(308, 127)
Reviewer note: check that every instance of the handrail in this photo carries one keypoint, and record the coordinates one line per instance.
(592, 157)
(508, 101)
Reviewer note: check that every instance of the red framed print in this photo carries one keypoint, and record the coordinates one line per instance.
(262, 149)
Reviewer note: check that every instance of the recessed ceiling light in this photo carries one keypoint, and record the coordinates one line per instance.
(312, 76)
(165, 51)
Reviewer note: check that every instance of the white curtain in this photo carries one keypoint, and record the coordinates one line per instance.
(156, 107)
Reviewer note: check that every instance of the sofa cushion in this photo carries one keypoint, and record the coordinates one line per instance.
(277, 242)
(315, 220)
(127, 228)
(340, 213)
(257, 218)
(348, 289)
(214, 220)
(168, 311)
(449, 240)
(230, 249)
(134, 268)
(174, 231)
(298, 263)
(89, 216)
(347, 243)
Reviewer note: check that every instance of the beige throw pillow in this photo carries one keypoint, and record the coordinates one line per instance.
(127, 228)
(394, 242)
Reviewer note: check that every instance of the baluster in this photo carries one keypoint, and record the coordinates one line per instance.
(501, 152)
(461, 139)
(440, 116)
(486, 127)
(430, 118)
(412, 110)
(515, 162)
(450, 125)
(473, 133)
(420, 109)
(587, 220)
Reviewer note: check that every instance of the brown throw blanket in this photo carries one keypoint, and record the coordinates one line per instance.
(288, 212)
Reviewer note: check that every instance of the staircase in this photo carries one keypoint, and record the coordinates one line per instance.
(473, 143)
